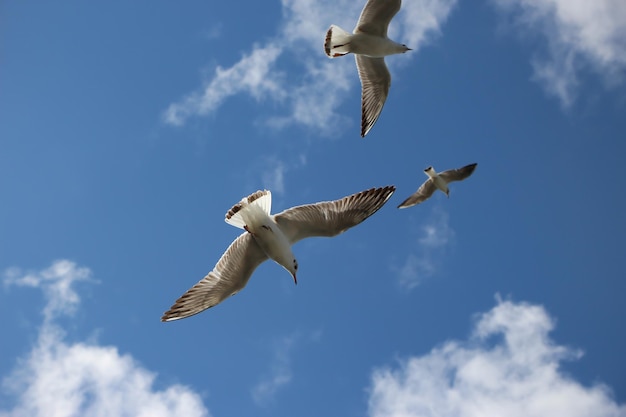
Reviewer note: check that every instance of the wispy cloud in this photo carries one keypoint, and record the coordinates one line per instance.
(274, 171)
(518, 375)
(280, 371)
(420, 21)
(57, 283)
(83, 379)
(213, 32)
(315, 87)
(274, 176)
(435, 235)
(579, 34)
(253, 74)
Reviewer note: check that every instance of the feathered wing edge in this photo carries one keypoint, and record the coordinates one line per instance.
(458, 174)
(423, 193)
(375, 83)
(376, 16)
(330, 218)
(229, 276)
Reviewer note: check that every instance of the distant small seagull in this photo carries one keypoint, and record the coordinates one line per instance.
(439, 181)
(271, 236)
(369, 44)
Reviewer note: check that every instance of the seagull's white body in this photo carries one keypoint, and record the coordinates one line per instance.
(437, 181)
(341, 43)
(369, 44)
(253, 215)
(270, 236)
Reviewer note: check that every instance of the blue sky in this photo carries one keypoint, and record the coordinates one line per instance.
(128, 130)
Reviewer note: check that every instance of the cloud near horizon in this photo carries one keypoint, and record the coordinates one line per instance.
(314, 92)
(82, 379)
(509, 367)
(579, 35)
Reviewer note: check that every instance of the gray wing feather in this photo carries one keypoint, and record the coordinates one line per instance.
(375, 83)
(458, 174)
(329, 218)
(230, 275)
(423, 193)
(376, 16)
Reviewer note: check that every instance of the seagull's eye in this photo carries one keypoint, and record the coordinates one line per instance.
(295, 264)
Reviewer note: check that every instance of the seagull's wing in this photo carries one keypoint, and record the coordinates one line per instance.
(423, 193)
(376, 16)
(230, 275)
(458, 174)
(375, 83)
(329, 218)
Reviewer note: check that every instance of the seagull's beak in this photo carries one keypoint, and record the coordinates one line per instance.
(295, 280)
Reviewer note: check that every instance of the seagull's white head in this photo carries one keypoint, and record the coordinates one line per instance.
(399, 48)
(288, 261)
(293, 270)
(291, 266)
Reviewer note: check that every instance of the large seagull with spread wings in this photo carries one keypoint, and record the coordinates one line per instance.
(269, 236)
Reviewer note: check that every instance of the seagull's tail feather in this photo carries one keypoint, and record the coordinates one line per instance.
(337, 42)
(430, 171)
(241, 213)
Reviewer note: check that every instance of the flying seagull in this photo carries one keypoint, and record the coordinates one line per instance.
(369, 44)
(439, 181)
(271, 236)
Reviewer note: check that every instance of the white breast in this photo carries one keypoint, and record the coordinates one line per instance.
(273, 242)
(373, 46)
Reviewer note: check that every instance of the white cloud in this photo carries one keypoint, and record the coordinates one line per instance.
(316, 87)
(56, 282)
(420, 21)
(579, 34)
(79, 379)
(509, 367)
(280, 372)
(65, 379)
(314, 98)
(253, 74)
(436, 235)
